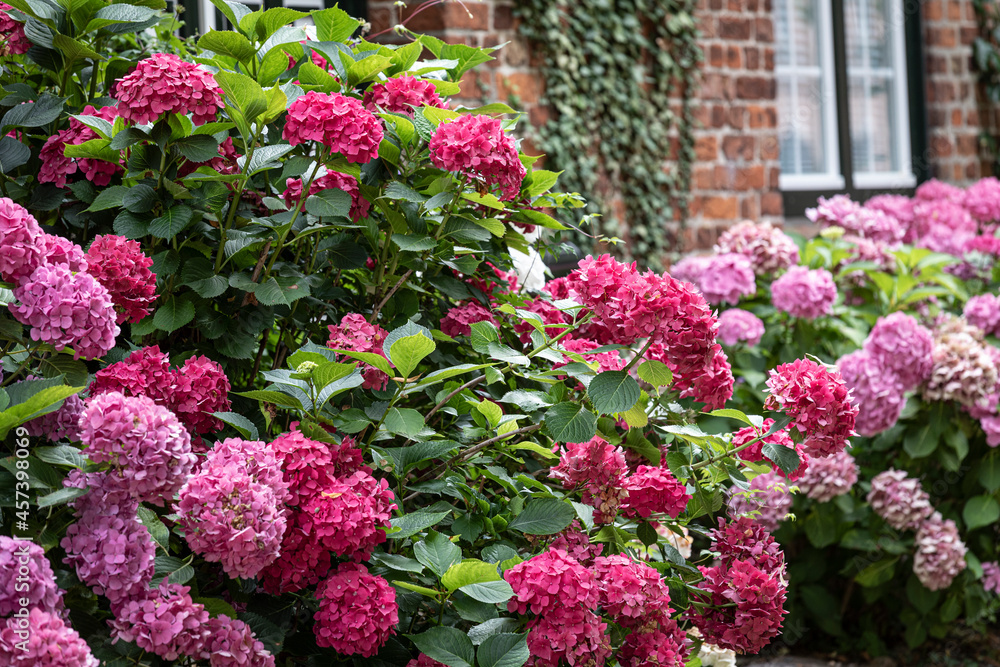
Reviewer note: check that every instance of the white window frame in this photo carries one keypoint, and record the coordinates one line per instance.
(832, 178)
(207, 11)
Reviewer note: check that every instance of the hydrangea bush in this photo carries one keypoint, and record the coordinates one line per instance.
(274, 392)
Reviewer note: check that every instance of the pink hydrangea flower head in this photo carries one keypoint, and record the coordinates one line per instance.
(357, 612)
(805, 293)
(458, 320)
(991, 427)
(876, 391)
(144, 442)
(13, 39)
(339, 122)
(349, 517)
(770, 250)
(256, 457)
(726, 278)
(898, 206)
(551, 582)
(768, 500)
(829, 476)
(477, 146)
(20, 240)
(120, 265)
(304, 561)
(964, 369)
(664, 645)
(50, 641)
(66, 309)
(163, 83)
(355, 334)
(690, 269)
(948, 218)
(56, 166)
(817, 400)
(629, 590)
(740, 326)
(983, 311)
(310, 465)
(231, 643)
(571, 636)
(401, 94)
(755, 452)
(200, 387)
(874, 225)
(746, 539)
(984, 244)
(424, 660)
(597, 467)
(59, 250)
(903, 346)
(833, 211)
(331, 180)
(26, 575)
(145, 372)
(991, 577)
(899, 499)
(934, 190)
(654, 490)
(713, 385)
(940, 554)
(63, 423)
(982, 200)
(165, 621)
(577, 544)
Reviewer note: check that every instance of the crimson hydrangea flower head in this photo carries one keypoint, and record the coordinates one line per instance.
(120, 265)
(165, 621)
(628, 590)
(876, 391)
(457, 321)
(597, 467)
(26, 574)
(59, 250)
(740, 326)
(13, 39)
(549, 583)
(56, 166)
(349, 516)
(67, 309)
(983, 311)
(50, 643)
(63, 423)
(200, 387)
(401, 94)
(768, 498)
(477, 146)
(664, 645)
(145, 372)
(903, 346)
(982, 200)
(310, 465)
(991, 577)
(940, 553)
(817, 400)
(654, 490)
(899, 500)
(755, 451)
(712, 385)
(769, 249)
(357, 611)
(424, 660)
(355, 334)
(571, 636)
(833, 211)
(20, 240)
(339, 122)
(331, 180)
(746, 539)
(163, 83)
(143, 441)
(805, 293)
(304, 561)
(231, 643)
(829, 476)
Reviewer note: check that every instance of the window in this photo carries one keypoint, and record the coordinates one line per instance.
(850, 102)
(208, 17)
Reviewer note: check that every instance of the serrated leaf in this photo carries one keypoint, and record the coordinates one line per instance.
(469, 572)
(570, 422)
(447, 645)
(239, 422)
(404, 421)
(655, 373)
(613, 391)
(543, 516)
(504, 650)
(414, 522)
(172, 222)
(407, 352)
(173, 314)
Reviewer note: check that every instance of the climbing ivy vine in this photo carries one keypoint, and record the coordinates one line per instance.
(620, 78)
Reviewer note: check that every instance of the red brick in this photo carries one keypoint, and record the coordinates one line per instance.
(720, 208)
(967, 34)
(528, 87)
(380, 19)
(716, 56)
(715, 86)
(749, 209)
(475, 83)
(450, 16)
(719, 116)
(706, 149)
(738, 147)
(769, 59)
(771, 204)
(956, 117)
(755, 88)
(734, 59)
(770, 148)
(734, 28)
(943, 37)
(751, 55)
(749, 178)
(503, 18)
(954, 10)
(968, 145)
(933, 10)
(723, 177)
(940, 147)
(765, 30)
(539, 115)
(703, 178)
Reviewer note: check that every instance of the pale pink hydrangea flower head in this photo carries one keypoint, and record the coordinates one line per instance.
(982, 200)
(20, 240)
(829, 476)
(59, 250)
(940, 554)
(833, 211)
(725, 278)
(767, 501)
(874, 225)
(903, 346)
(769, 249)
(983, 311)
(939, 190)
(740, 326)
(899, 499)
(26, 574)
(991, 577)
(964, 369)
(165, 621)
(804, 293)
(231, 643)
(50, 643)
(877, 391)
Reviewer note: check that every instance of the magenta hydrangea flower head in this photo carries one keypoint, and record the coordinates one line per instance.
(664, 644)
(355, 334)
(145, 372)
(654, 490)
(551, 582)
(964, 369)
(934, 190)
(874, 225)
(577, 544)
(63, 423)
(12, 37)
(310, 466)
(769, 249)
(20, 240)
(165, 621)
(26, 574)
(108, 546)
(163, 83)
(59, 250)
(200, 388)
(50, 643)
(983, 311)
(768, 500)
(876, 391)
(991, 577)
(725, 278)
(66, 309)
(458, 320)
(350, 516)
(982, 200)
(401, 94)
(740, 326)
(120, 265)
(712, 385)
(899, 500)
(805, 293)
(331, 180)
(904, 346)
(597, 467)
(339, 122)
(629, 590)
(144, 442)
(477, 147)
(57, 166)
(755, 452)
(304, 560)
(357, 611)
(424, 660)
(231, 643)
(833, 211)
(817, 400)
(746, 539)
(606, 361)
(572, 636)
(940, 554)
(829, 476)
